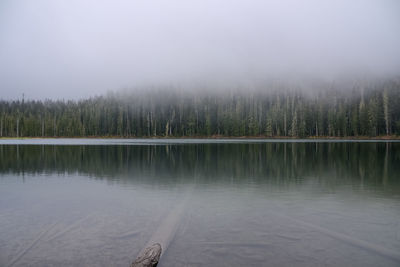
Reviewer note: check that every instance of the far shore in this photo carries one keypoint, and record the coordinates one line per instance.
(384, 137)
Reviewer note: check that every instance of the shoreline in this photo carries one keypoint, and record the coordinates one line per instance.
(213, 137)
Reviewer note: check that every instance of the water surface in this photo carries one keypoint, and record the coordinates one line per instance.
(243, 203)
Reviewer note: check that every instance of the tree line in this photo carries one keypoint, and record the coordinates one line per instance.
(369, 110)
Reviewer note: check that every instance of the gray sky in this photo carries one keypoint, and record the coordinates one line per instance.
(78, 48)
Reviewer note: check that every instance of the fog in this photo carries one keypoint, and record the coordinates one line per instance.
(75, 49)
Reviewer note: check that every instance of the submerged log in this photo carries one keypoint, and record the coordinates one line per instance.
(162, 237)
(149, 257)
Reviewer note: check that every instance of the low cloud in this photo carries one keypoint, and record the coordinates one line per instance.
(75, 49)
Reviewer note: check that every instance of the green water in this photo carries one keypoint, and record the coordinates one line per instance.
(258, 203)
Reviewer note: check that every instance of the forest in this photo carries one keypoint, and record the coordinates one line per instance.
(274, 110)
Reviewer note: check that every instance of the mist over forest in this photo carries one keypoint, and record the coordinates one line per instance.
(199, 68)
(278, 110)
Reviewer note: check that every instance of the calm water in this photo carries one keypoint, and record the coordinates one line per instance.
(232, 203)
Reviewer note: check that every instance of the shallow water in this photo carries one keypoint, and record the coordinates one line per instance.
(90, 202)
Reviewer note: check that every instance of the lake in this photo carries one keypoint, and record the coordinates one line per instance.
(220, 202)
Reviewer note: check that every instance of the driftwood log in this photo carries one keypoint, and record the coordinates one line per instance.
(162, 237)
(149, 257)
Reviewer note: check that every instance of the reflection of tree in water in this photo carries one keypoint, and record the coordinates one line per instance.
(270, 163)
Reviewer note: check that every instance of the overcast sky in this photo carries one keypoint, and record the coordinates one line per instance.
(73, 49)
